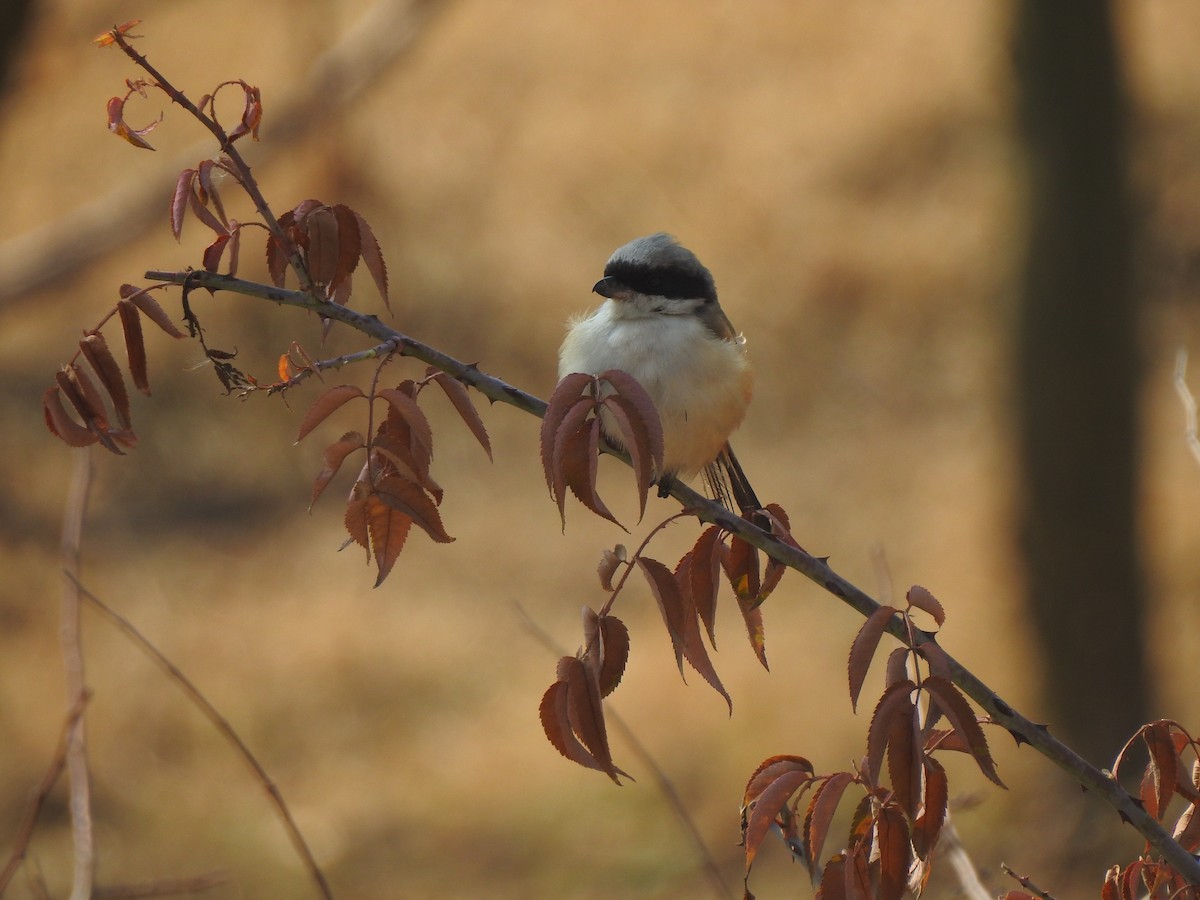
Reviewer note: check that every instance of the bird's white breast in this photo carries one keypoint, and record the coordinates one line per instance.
(700, 384)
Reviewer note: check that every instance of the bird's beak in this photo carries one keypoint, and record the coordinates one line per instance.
(611, 288)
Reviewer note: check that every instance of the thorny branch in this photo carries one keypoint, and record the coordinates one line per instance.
(816, 570)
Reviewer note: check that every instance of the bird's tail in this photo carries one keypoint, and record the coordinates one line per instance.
(729, 484)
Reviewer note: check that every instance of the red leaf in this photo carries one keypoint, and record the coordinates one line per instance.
(388, 528)
(556, 724)
(585, 712)
(894, 704)
(335, 454)
(349, 245)
(768, 804)
(921, 598)
(251, 114)
(609, 563)
(150, 307)
(607, 641)
(211, 258)
(322, 255)
(741, 568)
(179, 200)
(208, 189)
(693, 641)
(928, 825)
(95, 350)
(670, 602)
(408, 498)
(328, 403)
(862, 651)
(897, 666)
(752, 616)
(562, 402)
(355, 519)
(636, 441)
(579, 458)
(770, 769)
(820, 813)
(135, 348)
(958, 713)
(457, 392)
(118, 126)
(641, 413)
(833, 879)
(372, 257)
(704, 578)
(904, 753)
(104, 40)
(1163, 766)
(277, 259)
(200, 211)
(420, 434)
(61, 424)
(894, 853)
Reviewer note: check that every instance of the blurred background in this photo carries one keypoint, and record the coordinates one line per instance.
(961, 239)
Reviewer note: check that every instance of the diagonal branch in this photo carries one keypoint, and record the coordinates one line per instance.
(816, 570)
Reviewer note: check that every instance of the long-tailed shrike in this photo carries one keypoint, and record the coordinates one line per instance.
(662, 324)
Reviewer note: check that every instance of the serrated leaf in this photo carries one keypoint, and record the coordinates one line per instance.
(636, 441)
(135, 347)
(179, 200)
(325, 405)
(921, 598)
(935, 656)
(1162, 767)
(704, 578)
(420, 433)
(904, 753)
(201, 212)
(928, 825)
(693, 641)
(410, 499)
(585, 712)
(607, 638)
(564, 453)
(211, 258)
(556, 724)
(96, 352)
(862, 651)
(388, 528)
(833, 879)
(609, 563)
(894, 853)
(897, 666)
(895, 703)
(580, 462)
(372, 257)
(740, 562)
(323, 252)
(156, 313)
(755, 629)
(821, 809)
(208, 189)
(355, 520)
(349, 246)
(61, 424)
(334, 455)
(958, 713)
(235, 247)
(562, 401)
(768, 804)
(858, 875)
(670, 602)
(459, 396)
(770, 769)
(640, 409)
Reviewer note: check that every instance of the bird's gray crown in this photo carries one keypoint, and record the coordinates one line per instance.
(659, 266)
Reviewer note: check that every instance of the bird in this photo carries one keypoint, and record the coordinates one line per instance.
(661, 322)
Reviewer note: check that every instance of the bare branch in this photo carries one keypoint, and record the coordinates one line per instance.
(221, 724)
(1188, 401)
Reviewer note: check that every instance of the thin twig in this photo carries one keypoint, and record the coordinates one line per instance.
(82, 835)
(221, 724)
(1026, 883)
(816, 570)
(161, 887)
(720, 888)
(1188, 401)
(29, 821)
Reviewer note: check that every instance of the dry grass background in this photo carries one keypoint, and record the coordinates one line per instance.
(849, 173)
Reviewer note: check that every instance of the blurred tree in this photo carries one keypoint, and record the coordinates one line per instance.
(1078, 376)
(14, 20)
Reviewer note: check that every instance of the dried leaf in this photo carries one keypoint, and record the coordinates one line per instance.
(235, 247)
(118, 126)
(770, 769)
(420, 433)
(349, 247)
(897, 666)
(322, 254)
(741, 568)
(388, 528)
(958, 713)
(585, 712)
(211, 259)
(894, 852)
(1162, 767)
(752, 616)
(461, 398)
(104, 40)
(580, 460)
(704, 578)
(555, 718)
(609, 563)
(61, 424)
(135, 348)
(208, 189)
(562, 402)
(201, 212)
(641, 413)
(820, 812)
(179, 200)
(833, 879)
(355, 520)
(608, 638)
(670, 602)
(896, 703)
(904, 753)
(693, 641)
(150, 307)
(277, 259)
(768, 804)
(921, 598)
(251, 114)
(335, 454)
(408, 498)
(95, 350)
(636, 441)
(862, 651)
(928, 825)
(372, 257)
(328, 403)
(858, 875)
